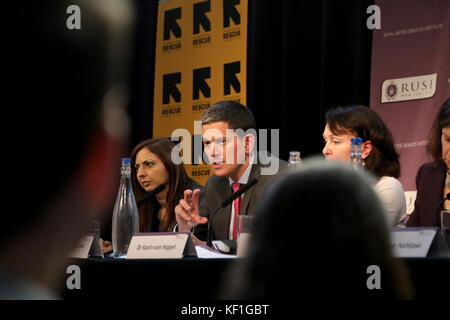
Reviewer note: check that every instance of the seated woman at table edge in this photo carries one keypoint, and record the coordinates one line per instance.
(379, 156)
(433, 178)
(152, 166)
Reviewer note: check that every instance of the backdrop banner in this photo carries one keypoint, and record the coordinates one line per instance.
(410, 77)
(201, 50)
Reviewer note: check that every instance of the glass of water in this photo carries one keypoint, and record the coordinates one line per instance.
(244, 230)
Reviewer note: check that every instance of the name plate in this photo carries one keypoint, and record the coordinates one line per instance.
(81, 251)
(160, 245)
(88, 246)
(412, 242)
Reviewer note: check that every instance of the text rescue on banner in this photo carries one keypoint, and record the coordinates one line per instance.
(201, 58)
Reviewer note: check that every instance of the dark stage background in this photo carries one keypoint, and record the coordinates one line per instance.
(302, 58)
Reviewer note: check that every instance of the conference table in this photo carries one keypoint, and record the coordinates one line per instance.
(193, 279)
(177, 279)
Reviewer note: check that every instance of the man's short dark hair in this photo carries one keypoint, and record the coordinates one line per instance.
(235, 114)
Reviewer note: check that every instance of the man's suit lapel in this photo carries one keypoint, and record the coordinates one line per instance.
(254, 173)
(221, 221)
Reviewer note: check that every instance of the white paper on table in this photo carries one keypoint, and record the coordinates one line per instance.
(205, 252)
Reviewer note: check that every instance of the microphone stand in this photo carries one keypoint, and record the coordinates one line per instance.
(209, 231)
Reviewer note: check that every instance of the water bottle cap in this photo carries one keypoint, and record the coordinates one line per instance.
(125, 161)
(357, 141)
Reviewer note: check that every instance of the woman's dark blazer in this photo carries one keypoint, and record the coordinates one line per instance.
(430, 180)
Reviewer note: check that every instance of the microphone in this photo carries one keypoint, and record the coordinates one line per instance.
(447, 197)
(226, 202)
(151, 194)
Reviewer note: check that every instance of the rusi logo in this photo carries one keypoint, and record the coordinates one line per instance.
(391, 91)
(411, 88)
(374, 21)
(74, 20)
(171, 26)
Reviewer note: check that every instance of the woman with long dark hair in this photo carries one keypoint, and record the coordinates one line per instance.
(152, 166)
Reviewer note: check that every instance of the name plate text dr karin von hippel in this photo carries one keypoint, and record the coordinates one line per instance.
(157, 245)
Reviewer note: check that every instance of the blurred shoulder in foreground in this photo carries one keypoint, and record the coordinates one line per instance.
(64, 129)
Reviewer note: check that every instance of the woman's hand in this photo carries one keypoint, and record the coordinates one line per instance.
(105, 245)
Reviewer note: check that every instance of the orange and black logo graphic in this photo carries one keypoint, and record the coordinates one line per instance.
(230, 79)
(170, 88)
(202, 24)
(172, 28)
(231, 13)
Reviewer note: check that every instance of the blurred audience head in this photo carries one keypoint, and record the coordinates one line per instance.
(63, 125)
(317, 231)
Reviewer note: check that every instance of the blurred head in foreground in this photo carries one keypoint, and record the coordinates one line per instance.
(63, 132)
(318, 230)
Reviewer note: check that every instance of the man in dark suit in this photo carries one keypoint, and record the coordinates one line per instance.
(229, 138)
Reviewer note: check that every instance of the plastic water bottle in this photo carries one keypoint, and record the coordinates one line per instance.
(356, 153)
(125, 221)
(294, 159)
